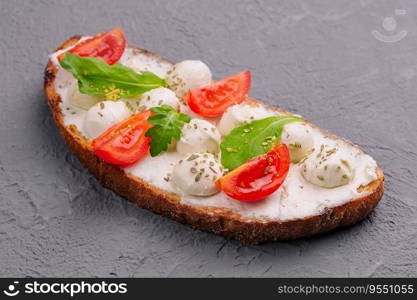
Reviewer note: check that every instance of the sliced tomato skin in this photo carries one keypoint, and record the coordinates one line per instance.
(125, 143)
(107, 46)
(259, 177)
(213, 100)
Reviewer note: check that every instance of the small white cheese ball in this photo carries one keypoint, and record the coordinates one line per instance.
(240, 114)
(103, 115)
(327, 167)
(196, 173)
(83, 101)
(299, 139)
(158, 97)
(188, 75)
(199, 136)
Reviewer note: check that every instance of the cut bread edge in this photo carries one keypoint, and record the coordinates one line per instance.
(212, 219)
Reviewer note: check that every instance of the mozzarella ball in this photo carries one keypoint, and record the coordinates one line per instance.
(299, 139)
(240, 114)
(103, 115)
(196, 173)
(188, 75)
(158, 97)
(199, 136)
(83, 101)
(327, 167)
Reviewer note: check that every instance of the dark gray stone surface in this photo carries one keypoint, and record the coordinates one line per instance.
(316, 58)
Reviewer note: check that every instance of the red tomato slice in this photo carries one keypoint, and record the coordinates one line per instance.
(259, 177)
(213, 100)
(107, 46)
(125, 143)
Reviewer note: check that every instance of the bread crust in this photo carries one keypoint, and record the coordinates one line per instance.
(217, 220)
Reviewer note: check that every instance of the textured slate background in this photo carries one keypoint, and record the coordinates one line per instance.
(317, 58)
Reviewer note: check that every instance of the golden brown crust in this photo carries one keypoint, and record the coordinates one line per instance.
(216, 220)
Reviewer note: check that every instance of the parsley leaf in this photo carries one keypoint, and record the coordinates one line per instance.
(252, 139)
(113, 81)
(167, 125)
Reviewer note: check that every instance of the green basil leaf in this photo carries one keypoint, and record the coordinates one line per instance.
(167, 125)
(252, 139)
(114, 81)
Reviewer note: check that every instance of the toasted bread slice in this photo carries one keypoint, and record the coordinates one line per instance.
(213, 219)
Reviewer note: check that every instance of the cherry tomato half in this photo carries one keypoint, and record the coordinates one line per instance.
(259, 177)
(213, 100)
(107, 46)
(125, 143)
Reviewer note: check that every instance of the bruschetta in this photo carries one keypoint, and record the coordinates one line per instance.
(170, 139)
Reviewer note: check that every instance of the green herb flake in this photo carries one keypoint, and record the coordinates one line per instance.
(230, 150)
(167, 125)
